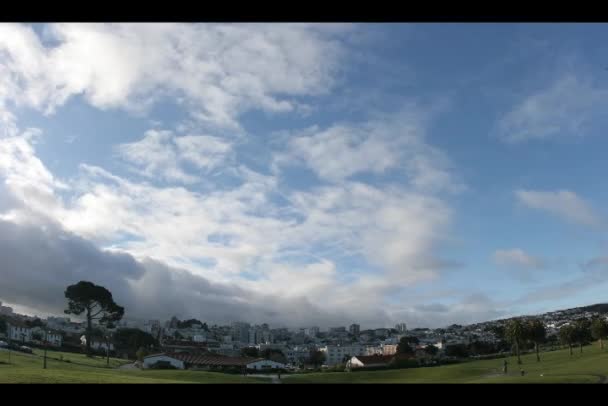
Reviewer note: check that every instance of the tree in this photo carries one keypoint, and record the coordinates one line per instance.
(431, 350)
(129, 340)
(567, 335)
(582, 330)
(599, 330)
(97, 304)
(3, 326)
(404, 346)
(456, 350)
(141, 353)
(177, 335)
(536, 332)
(316, 358)
(34, 323)
(515, 333)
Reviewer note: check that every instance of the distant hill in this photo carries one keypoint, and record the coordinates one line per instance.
(600, 308)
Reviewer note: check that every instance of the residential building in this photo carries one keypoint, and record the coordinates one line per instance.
(354, 329)
(18, 331)
(401, 328)
(389, 349)
(336, 354)
(312, 331)
(240, 332)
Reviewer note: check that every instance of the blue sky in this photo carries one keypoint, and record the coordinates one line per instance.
(307, 174)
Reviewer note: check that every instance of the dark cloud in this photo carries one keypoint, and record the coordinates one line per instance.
(39, 261)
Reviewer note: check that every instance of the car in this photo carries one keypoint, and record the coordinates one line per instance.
(25, 349)
(3, 344)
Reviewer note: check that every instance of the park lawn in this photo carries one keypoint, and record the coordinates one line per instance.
(555, 367)
(26, 368)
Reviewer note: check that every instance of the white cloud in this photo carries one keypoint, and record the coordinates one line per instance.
(563, 108)
(217, 70)
(389, 143)
(562, 203)
(518, 258)
(227, 233)
(161, 153)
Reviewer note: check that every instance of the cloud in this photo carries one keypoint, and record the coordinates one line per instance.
(593, 274)
(389, 144)
(472, 308)
(215, 71)
(563, 204)
(239, 235)
(517, 258)
(564, 108)
(162, 154)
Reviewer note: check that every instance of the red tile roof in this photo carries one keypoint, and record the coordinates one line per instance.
(209, 359)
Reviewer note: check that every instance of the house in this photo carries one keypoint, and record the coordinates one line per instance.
(369, 361)
(18, 331)
(389, 349)
(52, 337)
(336, 354)
(210, 361)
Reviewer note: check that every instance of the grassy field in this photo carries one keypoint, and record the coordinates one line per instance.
(555, 367)
(28, 369)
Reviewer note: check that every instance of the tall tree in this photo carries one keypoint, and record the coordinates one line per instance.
(316, 358)
(599, 330)
(567, 335)
(431, 350)
(582, 332)
(515, 332)
(97, 304)
(404, 346)
(536, 333)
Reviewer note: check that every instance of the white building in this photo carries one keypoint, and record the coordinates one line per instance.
(17, 331)
(265, 364)
(163, 358)
(336, 354)
(52, 337)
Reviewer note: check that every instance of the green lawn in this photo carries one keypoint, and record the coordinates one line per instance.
(555, 366)
(28, 369)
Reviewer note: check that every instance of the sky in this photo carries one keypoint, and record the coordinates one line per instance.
(305, 174)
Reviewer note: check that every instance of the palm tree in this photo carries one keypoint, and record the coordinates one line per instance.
(599, 330)
(567, 335)
(536, 333)
(515, 333)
